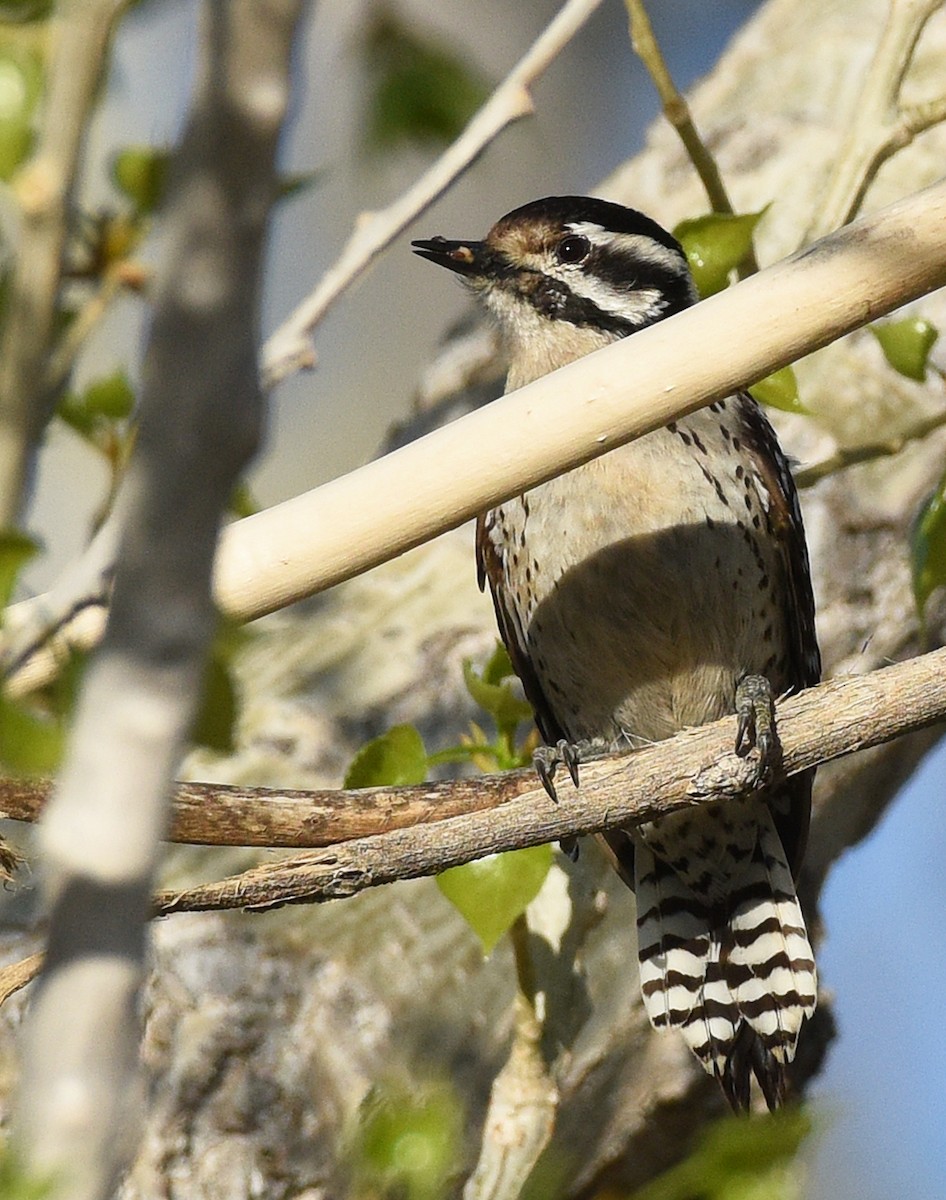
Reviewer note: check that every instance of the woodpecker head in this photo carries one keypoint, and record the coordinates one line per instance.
(567, 274)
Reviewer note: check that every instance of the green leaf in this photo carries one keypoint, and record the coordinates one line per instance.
(33, 732)
(21, 11)
(16, 550)
(928, 546)
(71, 409)
(21, 84)
(140, 173)
(30, 743)
(408, 1143)
(242, 502)
(94, 413)
(497, 699)
(111, 397)
(779, 390)
(492, 892)
(499, 666)
(17, 1183)
(738, 1159)
(715, 245)
(422, 91)
(395, 758)
(907, 344)
(219, 707)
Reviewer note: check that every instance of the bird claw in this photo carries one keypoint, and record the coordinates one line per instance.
(570, 754)
(545, 759)
(755, 724)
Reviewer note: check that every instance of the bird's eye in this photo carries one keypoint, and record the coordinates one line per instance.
(572, 249)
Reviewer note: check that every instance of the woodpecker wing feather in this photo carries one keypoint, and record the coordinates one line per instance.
(489, 569)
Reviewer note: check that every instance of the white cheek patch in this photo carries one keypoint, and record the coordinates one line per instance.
(635, 305)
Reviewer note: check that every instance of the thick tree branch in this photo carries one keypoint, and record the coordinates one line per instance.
(834, 719)
(336, 531)
(408, 832)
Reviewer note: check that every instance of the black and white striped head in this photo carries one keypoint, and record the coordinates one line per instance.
(572, 262)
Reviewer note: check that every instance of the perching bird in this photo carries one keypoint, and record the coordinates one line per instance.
(660, 586)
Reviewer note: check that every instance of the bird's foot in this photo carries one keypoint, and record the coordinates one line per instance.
(755, 724)
(547, 758)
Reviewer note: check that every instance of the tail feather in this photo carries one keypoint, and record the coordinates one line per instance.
(681, 978)
(737, 980)
(770, 966)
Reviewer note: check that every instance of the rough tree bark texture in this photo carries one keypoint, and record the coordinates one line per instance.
(266, 1032)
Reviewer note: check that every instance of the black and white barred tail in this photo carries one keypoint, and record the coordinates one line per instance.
(736, 976)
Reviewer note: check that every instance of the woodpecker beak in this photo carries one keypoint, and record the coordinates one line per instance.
(476, 259)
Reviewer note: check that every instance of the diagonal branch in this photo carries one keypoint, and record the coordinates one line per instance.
(826, 722)
(677, 112)
(335, 532)
(507, 811)
(403, 833)
(290, 348)
(697, 766)
(880, 127)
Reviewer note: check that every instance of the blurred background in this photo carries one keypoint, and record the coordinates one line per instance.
(880, 1104)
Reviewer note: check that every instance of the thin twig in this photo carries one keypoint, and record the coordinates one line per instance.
(879, 126)
(677, 112)
(849, 456)
(63, 358)
(17, 975)
(290, 347)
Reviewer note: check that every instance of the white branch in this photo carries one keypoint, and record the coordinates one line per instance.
(290, 347)
(200, 419)
(338, 530)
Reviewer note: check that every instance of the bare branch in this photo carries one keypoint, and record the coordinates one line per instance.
(80, 41)
(215, 814)
(677, 112)
(330, 534)
(523, 1100)
(879, 128)
(850, 456)
(290, 347)
(823, 723)
(17, 975)
(200, 420)
(453, 823)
